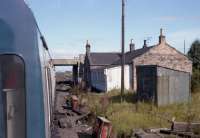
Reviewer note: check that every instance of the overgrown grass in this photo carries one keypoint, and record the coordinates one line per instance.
(130, 115)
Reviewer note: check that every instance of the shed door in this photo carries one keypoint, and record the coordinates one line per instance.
(146, 82)
(12, 94)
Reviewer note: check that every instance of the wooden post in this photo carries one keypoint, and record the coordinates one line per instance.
(122, 54)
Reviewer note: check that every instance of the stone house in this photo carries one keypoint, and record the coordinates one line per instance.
(102, 64)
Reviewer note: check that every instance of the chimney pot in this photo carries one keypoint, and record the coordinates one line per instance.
(161, 31)
(132, 46)
(87, 48)
(145, 44)
(161, 37)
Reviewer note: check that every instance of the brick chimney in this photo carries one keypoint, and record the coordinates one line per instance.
(145, 44)
(87, 48)
(162, 37)
(132, 46)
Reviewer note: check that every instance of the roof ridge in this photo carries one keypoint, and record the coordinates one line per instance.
(140, 49)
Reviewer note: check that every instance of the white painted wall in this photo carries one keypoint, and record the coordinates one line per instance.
(107, 79)
(113, 77)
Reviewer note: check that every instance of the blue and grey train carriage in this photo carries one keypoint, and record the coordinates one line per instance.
(26, 75)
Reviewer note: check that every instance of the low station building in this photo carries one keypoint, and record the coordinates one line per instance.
(102, 71)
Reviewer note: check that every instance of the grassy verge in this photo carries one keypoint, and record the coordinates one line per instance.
(130, 115)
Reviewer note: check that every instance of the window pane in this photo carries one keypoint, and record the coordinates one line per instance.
(13, 96)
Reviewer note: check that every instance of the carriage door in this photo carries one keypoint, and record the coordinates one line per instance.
(12, 97)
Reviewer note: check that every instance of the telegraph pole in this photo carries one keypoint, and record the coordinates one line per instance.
(184, 46)
(122, 45)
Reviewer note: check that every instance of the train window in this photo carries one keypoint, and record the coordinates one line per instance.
(12, 97)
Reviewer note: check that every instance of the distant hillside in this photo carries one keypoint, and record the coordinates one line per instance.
(63, 76)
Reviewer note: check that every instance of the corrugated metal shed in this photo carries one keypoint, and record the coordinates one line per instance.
(162, 85)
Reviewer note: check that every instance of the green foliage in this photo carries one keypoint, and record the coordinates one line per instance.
(196, 80)
(194, 55)
(130, 115)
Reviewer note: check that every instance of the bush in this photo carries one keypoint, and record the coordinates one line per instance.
(196, 80)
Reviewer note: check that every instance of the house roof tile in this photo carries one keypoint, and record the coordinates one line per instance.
(103, 58)
(113, 58)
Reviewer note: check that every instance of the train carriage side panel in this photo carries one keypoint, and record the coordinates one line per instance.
(43, 60)
(18, 35)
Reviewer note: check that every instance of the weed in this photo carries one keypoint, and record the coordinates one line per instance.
(131, 115)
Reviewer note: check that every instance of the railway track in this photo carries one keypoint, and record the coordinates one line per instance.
(65, 124)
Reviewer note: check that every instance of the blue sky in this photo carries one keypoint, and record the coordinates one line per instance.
(67, 24)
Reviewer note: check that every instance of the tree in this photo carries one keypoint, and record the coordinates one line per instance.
(194, 55)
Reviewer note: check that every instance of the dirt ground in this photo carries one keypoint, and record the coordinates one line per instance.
(64, 125)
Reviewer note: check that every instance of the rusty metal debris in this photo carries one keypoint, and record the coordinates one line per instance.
(180, 134)
(178, 129)
(102, 128)
(185, 127)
